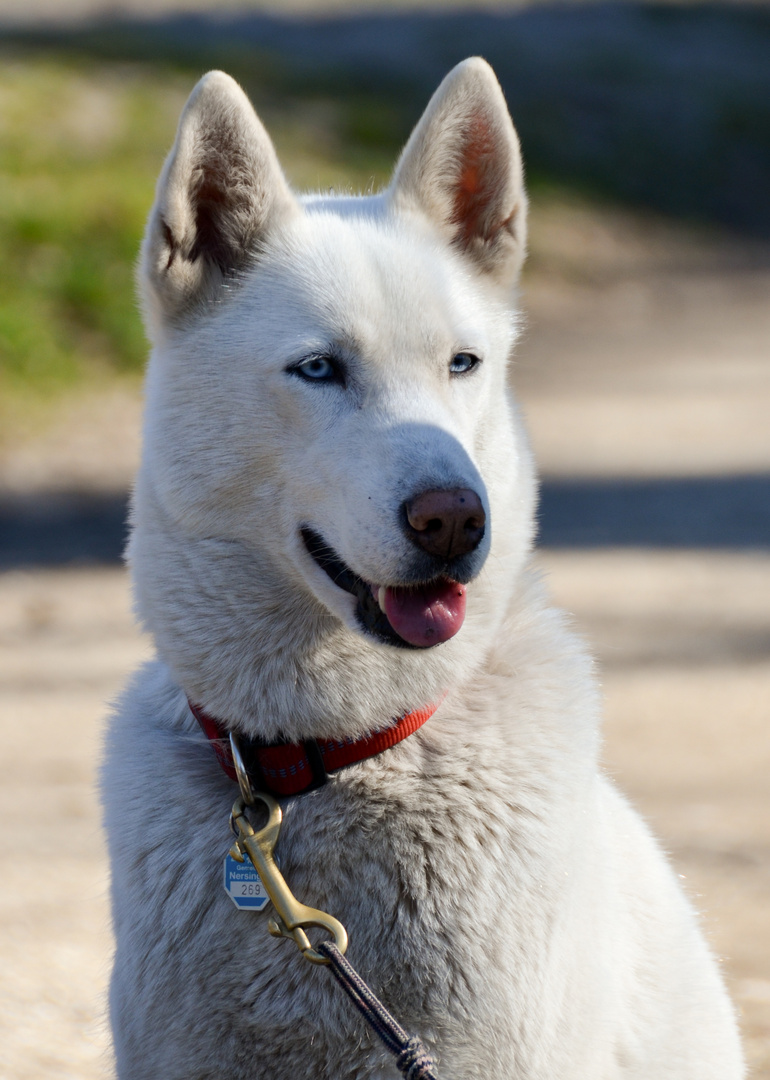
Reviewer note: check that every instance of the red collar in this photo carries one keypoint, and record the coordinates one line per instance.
(290, 768)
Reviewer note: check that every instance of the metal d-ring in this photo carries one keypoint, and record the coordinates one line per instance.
(247, 791)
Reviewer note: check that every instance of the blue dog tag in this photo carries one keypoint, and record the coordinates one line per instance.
(243, 886)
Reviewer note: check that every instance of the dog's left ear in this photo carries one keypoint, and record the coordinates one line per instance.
(462, 169)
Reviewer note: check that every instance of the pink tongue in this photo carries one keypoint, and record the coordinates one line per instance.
(427, 615)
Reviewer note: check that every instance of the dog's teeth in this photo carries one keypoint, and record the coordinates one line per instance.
(381, 598)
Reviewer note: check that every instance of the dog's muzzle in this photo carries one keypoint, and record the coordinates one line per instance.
(408, 616)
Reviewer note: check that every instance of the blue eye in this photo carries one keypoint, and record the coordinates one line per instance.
(318, 369)
(462, 363)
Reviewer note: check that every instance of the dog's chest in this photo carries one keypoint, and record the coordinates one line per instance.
(436, 860)
(416, 889)
(431, 881)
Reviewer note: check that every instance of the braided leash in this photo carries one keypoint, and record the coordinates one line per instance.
(412, 1057)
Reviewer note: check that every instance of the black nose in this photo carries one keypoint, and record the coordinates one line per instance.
(447, 523)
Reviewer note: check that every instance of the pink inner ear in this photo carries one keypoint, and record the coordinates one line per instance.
(473, 189)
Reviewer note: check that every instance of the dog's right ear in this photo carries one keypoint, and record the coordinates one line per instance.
(220, 192)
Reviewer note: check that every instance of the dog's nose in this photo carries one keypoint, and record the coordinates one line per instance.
(447, 522)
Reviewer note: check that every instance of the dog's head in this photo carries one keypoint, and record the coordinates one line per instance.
(334, 499)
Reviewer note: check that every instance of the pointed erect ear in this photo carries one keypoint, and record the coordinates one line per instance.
(220, 192)
(462, 169)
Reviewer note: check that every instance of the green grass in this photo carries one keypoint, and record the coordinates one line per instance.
(79, 152)
(81, 146)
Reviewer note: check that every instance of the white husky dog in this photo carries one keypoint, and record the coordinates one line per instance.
(332, 534)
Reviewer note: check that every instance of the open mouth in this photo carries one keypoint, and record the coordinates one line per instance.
(415, 617)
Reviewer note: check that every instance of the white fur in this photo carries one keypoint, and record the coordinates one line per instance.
(499, 894)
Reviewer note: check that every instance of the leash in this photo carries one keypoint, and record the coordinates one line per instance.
(293, 918)
(412, 1057)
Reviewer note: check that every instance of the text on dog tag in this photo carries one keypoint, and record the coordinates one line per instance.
(243, 886)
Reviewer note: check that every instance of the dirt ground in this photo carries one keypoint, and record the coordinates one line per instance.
(646, 355)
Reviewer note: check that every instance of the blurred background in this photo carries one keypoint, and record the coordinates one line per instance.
(644, 372)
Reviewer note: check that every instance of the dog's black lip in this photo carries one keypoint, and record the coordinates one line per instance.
(370, 615)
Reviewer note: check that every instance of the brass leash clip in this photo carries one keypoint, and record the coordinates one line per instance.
(291, 916)
(412, 1058)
